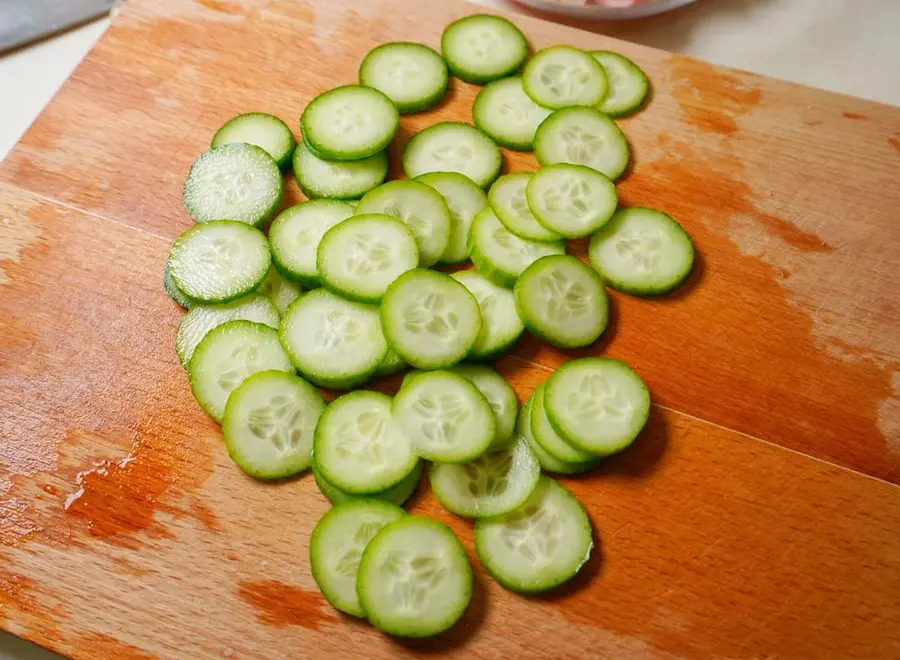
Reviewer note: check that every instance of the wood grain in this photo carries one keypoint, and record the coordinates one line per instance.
(722, 533)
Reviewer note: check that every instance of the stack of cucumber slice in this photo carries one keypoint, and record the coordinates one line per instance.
(339, 290)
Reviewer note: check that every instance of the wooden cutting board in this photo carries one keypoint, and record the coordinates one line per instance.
(757, 516)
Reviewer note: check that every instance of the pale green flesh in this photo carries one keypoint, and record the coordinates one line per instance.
(505, 112)
(547, 437)
(499, 394)
(413, 76)
(398, 494)
(281, 291)
(501, 325)
(338, 180)
(262, 130)
(464, 199)
(628, 85)
(482, 47)
(562, 76)
(571, 200)
(349, 123)
(510, 205)
(453, 147)
(549, 463)
(582, 136)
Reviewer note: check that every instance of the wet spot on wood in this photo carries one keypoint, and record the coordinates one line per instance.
(280, 605)
(205, 515)
(225, 6)
(853, 115)
(100, 646)
(710, 99)
(16, 593)
(894, 142)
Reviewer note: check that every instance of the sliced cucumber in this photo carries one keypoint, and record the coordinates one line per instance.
(628, 85)
(398, 494)
(507, 199)
(322, 178)
(333, 342)
(281, 291)
(445, 417)
(264, 131)
(582, 136)
(571, 200)
(296, 233)
(452, 146)
(269, 424)
(502, 256)
(413, 76)
(174, 292)
(391, 364)
(642, 252)
(499, 394)
(430, 320)
(229, 354)
(562, 301)
(349, 123)
(547, 437)
(238, 182)
(464, 199)
(541, 545)
(421, 207)
(599, 405)
(562, 76)
(336, 546)
(414, 579)
(501, 326)
(507, 114)
(359, 448)
(549, 463)
(219, 261)
(482, 47)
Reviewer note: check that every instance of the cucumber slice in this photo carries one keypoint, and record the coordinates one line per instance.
(499, 394)
(501, 326)
(413, 76)
(582, 136)
(494, 485)
(269, 424)
(540, 546)
(349, 123)
(507, 199)
(296, 233)
(333, 342)
(451, 146)
(229, 354)
(571, 200)
(482, 47)
(391, 364)
(264, 131)
(398, 494)
(336, 546)
(500, 255)
(174, 292)
(414, 579)
(219, 261)
(421, 207)
(547, 437)
(359, 448)
(562, 76)
(238, 182)
(599, 405)
(445, 417)
(282, 292)
(203, 318)
(628, 85)
(507, 115)
(464, 199)
(430, 320)
(360, 257)
(642, 252)
(562, 301)
(548, 462)
(322, 178)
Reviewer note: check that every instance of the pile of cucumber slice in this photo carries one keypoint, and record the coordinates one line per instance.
(344, 288)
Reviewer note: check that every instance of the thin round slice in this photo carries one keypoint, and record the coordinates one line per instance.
(240, 182)
(269, 424)
(228, 355)
(430, 320)
(413, 76)
(541, 545)
(547, 437)
(499, 394)
(349, 123)
(548, 462)
(296, 233)
(398, 494)
(500, 255)
(628, 85)
(501, 326)
(219, 261)
(562, 301)
(348, 180)
(507, 114)
(642, 252)
(280, 290)
(333, 342)
(337, 543)
(262, 130)
(507, 199)
(421, 207)
(445, 417)
(174, 292)
(391, 364)
(359, 448)
(571, 200)
(464, 199)
(481, 47)
(599, 405)
(562, 76)
(582, 136)
(414, 579)
(452, 146)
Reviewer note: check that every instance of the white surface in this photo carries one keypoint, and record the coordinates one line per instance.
(842, 46)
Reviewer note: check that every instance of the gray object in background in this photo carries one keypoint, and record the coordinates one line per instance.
(24, 21)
